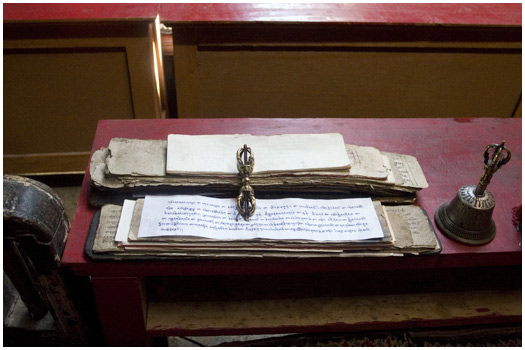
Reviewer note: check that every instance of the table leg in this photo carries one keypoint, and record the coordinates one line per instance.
(122, 307)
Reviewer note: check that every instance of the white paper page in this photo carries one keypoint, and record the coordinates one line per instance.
(217, 153)
(125, 221)
(288, 218)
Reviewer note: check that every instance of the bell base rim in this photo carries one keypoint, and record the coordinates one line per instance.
(442, 221)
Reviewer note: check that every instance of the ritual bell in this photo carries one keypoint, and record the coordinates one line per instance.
(468, 217)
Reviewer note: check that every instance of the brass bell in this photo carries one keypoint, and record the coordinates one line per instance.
(468, 217)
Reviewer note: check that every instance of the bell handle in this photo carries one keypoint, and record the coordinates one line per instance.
(500, 156)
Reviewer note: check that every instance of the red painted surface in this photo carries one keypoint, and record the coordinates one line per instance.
(382, 13)
(469, 14)
(450, 152)
(74, 11)
(120, 308)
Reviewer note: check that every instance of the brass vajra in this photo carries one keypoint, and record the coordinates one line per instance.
(246, 198)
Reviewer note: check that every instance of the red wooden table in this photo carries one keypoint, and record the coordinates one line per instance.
(78, 12)
(477, 14)
(450, 152)
(448, 14)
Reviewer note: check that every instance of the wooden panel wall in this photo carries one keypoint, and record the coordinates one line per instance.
(338, 70)
(357, 84)
(61, 78)
(87, 86)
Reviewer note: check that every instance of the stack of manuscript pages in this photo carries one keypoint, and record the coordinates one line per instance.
(182, 226)
(169, 222)
(290, 163)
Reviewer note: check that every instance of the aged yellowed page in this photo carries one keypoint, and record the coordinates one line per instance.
(407, 169)
(107, 228)
(136, 157)
(366, 162)
(423, 235)
(401, 230)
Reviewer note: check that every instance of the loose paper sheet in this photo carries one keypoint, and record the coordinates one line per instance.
(125, 221)
(288, 218)
(198, 154)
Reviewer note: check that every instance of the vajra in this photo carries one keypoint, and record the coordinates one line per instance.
(246, 198)
(500, 156)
